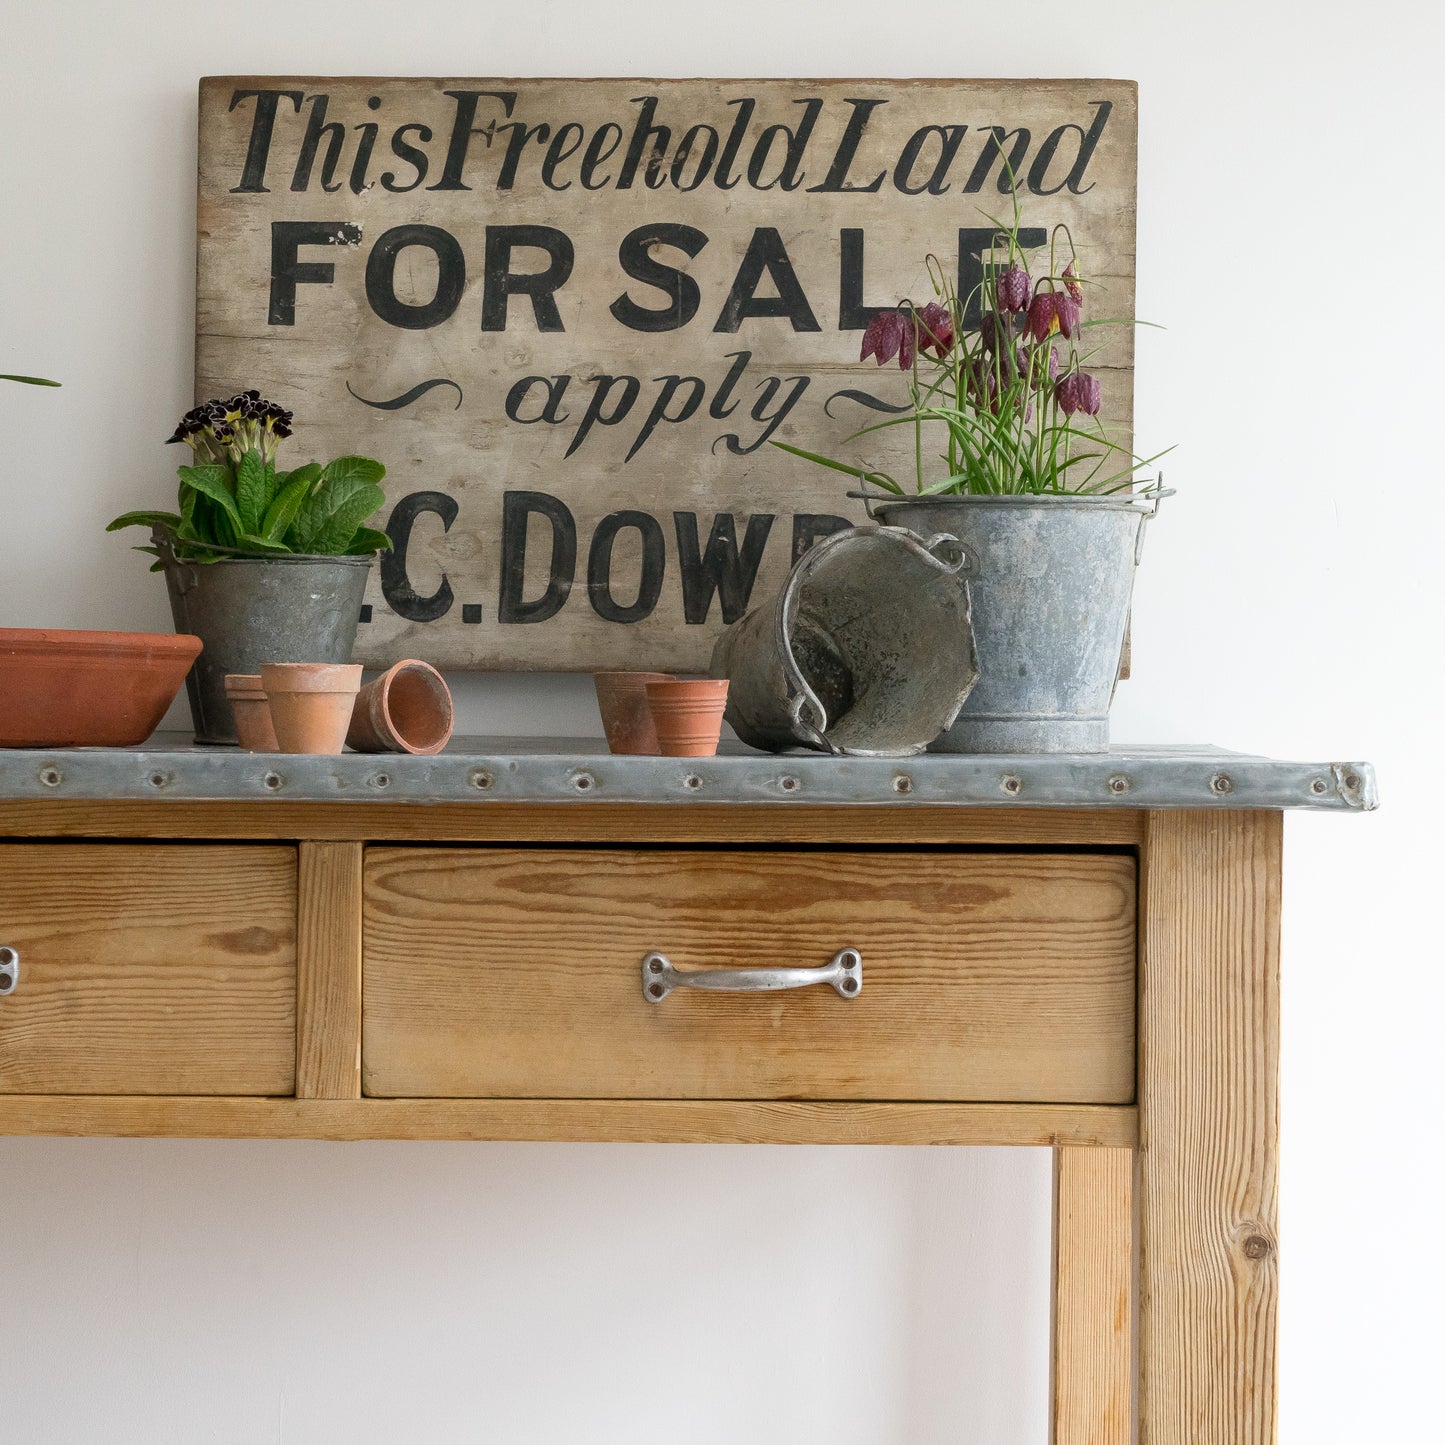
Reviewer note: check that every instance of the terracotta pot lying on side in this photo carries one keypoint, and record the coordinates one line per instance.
(688, 714)
(311, 703)
(408, 709)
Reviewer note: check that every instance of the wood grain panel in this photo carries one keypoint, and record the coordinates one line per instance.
(591, 822)
(517, 973)
(653, 1121)
(1209, 1101)
(1093, 1297)
(149, 969)
(328, 982)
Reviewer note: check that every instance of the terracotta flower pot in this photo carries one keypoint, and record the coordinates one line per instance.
(408, 709)
(687, 714)
(251, 712)
(626, 717)
(311, 703)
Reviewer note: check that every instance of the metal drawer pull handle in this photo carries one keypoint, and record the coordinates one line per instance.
(9, 970)
(844, 973)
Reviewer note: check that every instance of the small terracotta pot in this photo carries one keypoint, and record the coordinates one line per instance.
(687, 714)
(251, 712)
(408, 709)
(311, 703)
(626, 717)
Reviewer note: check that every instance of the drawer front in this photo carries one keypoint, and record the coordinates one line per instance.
(518, 973)
(148, 969)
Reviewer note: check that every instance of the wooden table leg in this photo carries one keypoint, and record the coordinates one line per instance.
(328, 971)
(1093, 1334)
(1208, 1128)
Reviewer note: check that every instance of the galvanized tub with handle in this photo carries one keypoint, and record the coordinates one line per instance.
(867, 649)
(248, 611)
(1050, 608)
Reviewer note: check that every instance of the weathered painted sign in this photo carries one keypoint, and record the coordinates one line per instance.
(570, 315)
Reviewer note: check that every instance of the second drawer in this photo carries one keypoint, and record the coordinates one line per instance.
(517, 973)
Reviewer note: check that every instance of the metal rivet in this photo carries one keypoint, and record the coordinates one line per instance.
(789, 784)
(159, 780)
(1319, 786)
(1352, 781)
(480, 778)
(273, 781)
(381, 780)
(52, 777)
(902, 783)
(692, 782)
(1120, 783)
(850, 985)
(1011, 783)
(656, 990)
(654, 965)
(1221, 783)
(583, 781)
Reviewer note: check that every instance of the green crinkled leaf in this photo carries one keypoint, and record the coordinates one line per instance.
(254, 543)
(366, 540)
(328, 519)
(282, 511)
(168, 520)
(352, 469)
(214, 481)
(251, 496)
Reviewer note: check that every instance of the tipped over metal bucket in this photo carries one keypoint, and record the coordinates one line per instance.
(868, 648)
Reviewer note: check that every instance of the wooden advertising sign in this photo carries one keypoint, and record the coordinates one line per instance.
(570, 315)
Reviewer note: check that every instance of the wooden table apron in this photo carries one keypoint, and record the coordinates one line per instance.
(1165, 1207)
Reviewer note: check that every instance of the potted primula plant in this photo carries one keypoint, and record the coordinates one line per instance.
(263, 565)
(1012, 459)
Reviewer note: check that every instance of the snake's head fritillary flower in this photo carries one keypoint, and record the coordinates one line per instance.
(1066, 310)
(935, 329)
(1078, 391)
(1043, 317)
(1011, 289)
(883, 337)
(1071, 282)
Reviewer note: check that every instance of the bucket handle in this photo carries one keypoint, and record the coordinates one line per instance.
(942, 550)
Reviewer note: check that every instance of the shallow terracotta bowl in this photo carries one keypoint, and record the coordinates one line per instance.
(62, 688)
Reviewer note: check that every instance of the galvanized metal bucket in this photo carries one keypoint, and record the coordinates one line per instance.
(867, 650)
(1050, 608)
(247, 611)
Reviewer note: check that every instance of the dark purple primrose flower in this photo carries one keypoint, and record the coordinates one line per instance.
(1011, 289)
(883, 337)
(935, 329)
(1078, 391)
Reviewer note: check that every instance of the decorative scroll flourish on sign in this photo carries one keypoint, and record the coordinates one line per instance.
(570, 316)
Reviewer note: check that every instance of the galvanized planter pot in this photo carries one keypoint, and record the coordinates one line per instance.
(247, 611)
(866, 651)
(1050, 607)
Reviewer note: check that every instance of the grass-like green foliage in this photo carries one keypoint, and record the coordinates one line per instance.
(233, 502)
(1009, 401)
(28, 380)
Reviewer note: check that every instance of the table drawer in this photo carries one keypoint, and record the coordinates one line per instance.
(518, 973)
(148, 969)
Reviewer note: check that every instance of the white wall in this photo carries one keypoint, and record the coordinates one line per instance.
(1290, 222)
